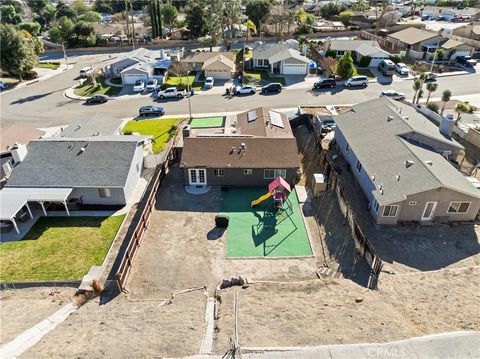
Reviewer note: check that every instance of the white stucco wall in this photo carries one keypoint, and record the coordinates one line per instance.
(135, 172)
(92, 196)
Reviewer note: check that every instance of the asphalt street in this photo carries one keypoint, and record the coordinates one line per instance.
(43, 104)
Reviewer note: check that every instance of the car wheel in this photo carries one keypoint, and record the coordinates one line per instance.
(364, 84)
(349, 85)
(179, 96)
(161, 97)
(252, 92)
(332, 86)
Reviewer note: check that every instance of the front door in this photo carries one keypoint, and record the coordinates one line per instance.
(197, 177)
(429, 211)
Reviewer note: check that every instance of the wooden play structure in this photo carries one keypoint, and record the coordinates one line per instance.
(278, 190)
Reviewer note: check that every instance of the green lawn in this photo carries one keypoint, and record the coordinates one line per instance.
(365, 72)
(162, 130)
(53, 65)
(59, 248)
(261, 77)
(182, 82)
(207, 122)
(251, 234)
(87, 89)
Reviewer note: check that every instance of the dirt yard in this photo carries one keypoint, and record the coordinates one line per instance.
(22, 309)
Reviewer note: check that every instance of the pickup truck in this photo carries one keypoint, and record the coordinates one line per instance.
(171, 92)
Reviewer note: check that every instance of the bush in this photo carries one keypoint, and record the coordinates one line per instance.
(304, 29)
(29, 75)
(331, 53)
(433, 107)
(396, 59)
(364, 61)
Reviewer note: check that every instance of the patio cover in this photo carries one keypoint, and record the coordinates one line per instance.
(12, 199)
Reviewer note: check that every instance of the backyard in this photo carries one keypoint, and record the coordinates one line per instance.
(207, 122)
(162, 130)
(89, 89)
(261, 77)
(59, 248)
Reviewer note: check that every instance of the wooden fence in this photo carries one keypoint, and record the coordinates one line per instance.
(137, 236)
(361, 241)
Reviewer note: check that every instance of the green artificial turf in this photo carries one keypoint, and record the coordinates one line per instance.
(252, 232)
(206, 122)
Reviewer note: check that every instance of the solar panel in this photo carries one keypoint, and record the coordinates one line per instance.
(251, 116)
(276, 119)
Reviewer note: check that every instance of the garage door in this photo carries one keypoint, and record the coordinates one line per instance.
(129, 79)
(460, 53)
(294, 69)
(218, 75)
(375, 61)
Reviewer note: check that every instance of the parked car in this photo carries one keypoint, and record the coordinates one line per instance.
(328, 125)
(3, 85)
(97, 99)
(245, 90)
(85, 71)
(273, 87)
(139, 86)
(401, 69)
(151, 110)
(466, 61)
(209, 82)
(171, 92)
(324, 83)
(357, 81)
(429, 16)
(399, 96)
(386, 67)
(152, 85)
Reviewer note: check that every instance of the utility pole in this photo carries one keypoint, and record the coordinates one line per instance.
(189, 96)
(65, 54)
(126, 16)
(434, 56)
(133, 26)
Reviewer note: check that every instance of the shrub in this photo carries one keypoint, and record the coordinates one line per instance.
(304, 29)
(364, 61)
(331, 53)
(29, 75)
(396, 59)
(433, 107)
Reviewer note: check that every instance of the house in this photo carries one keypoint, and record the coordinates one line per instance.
(259, 148)
(13, 140)
(140, 64)
(325, 25)
(417, 43)
(218, 65)
(468, 34)
(358, 49)
(97, 125)
(399, 160)
(454, 48)
(281, 58)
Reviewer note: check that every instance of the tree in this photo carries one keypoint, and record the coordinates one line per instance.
(329, 65)
(33, 28)
(10, 15)
(102, 6)
(431, 87)
(34, 41)
(37, 6)
(169, 15)
(156, 18)
(460, 109)
(258, 11)
(214, 25)
(181, 69)
(331, 9)
(64, 10)
(432, 106)
(417, 85)
(79, 7)
(90, 16)
(360, 6)
(422, 78)
(62, 31)
(196, 18)
(345, 68)
(46, 17)
(231, 14)
(345, 16)
(446, 96)
(16, 55)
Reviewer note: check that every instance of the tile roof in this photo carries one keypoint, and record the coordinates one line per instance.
(412, 35)
(383, 144)
(15, 132)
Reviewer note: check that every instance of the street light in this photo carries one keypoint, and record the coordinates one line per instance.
(65, 54)
(189, 95)
(434, 56)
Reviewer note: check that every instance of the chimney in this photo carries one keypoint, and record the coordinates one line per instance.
(447, 124)
(18, 151)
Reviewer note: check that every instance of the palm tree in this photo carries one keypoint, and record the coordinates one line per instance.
(446, 95)
(460, 109)
(422, 78)
(431, 87)
(417, 85)
(250, 27)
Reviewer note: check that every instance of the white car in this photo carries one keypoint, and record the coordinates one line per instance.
(245, 90)
(357, 81)
(85, 72)
(401, 69)
(152, 85)
(171, 92)
(209, 82)
(139, 86)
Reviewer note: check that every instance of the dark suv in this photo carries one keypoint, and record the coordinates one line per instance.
(273, 87)
(331, 83)
(151, 110)
(466, 61)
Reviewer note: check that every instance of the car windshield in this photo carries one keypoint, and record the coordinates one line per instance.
(138, 83)
(151, 82)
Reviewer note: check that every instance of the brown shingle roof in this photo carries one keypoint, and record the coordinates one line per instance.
(412, 35)
(259, 152)
(219, 62)
(262, 126)
(204, 56)
(15, 132)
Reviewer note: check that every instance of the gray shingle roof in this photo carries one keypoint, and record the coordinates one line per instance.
(382, 148)
(61, 163)
(263, 50)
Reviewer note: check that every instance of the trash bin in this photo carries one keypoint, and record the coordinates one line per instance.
(192, 92)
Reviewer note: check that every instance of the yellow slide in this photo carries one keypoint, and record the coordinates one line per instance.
(261, 198)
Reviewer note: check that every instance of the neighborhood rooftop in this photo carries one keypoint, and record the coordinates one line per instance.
(15, 132)
(383, 140)
(97, 125)
(363, 47)
(412, 35)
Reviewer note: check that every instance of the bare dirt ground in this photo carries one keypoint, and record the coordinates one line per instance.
(22, 309)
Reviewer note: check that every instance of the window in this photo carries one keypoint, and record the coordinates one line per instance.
(247, 171)
(390, 211)
(347, 149)
(412, 203)
(340, 52)
(104, 192)
(458, 207)
(272, 174)
(7, 167)
(358, 166)
(375, 205)
(218, 172)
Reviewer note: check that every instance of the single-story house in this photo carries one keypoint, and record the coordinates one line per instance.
(325, 25)
(282, 58)
(140, 64)
(219, 67)
(198, 58)
(401, 162)
(97, 125)
(262, 148)
(358, 49)
(468, 34)
(417, 43)
(454, 48)
(13, 140)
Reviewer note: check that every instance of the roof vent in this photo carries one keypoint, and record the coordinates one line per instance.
(82, 150)
(373, 177)
(389, 118)
(232, 151)
(429, 162)
(380, 187)
(405, 118)
(397, 177)
(381, 191)
(408, 163)
(243, 146)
